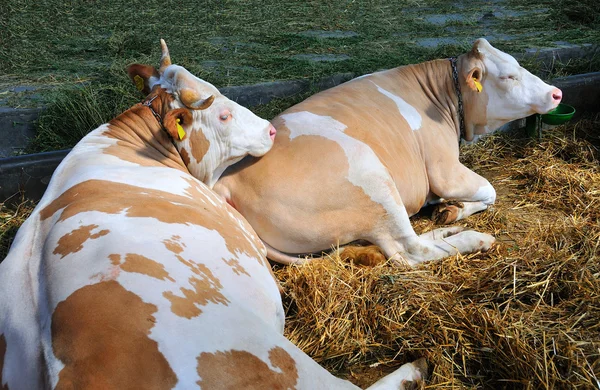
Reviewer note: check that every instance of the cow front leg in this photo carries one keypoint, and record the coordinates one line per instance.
(463, 192)
(435, 245)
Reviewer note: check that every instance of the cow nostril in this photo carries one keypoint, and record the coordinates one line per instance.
(272, 132)
(557, 94)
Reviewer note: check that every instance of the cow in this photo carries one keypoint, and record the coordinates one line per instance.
(354, 162)
(132, 273)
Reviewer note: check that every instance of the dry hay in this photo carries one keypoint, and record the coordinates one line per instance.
(524, 315)
(11, 218)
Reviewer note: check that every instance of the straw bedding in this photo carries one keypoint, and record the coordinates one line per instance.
(523, 315)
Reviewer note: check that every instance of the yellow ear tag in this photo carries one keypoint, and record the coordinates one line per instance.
(180, 131)
(139, 82)
(477, 85)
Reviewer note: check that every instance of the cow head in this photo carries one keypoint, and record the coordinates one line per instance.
(210, 131)
(496, 89)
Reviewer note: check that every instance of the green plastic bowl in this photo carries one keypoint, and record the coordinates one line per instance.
(561, 114)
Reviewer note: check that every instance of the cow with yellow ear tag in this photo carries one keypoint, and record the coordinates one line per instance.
(132, 273)
(356, 161)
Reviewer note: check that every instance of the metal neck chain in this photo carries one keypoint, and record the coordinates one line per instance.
(148, 103)
(461, 111)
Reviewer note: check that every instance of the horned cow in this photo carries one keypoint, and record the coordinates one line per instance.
(132, 273)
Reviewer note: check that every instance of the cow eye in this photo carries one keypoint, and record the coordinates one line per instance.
(225, 114)
(509, 77)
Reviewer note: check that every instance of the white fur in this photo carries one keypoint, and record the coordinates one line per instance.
(409, 113)
(363, 76)
(229, 141)
(485, 194)
(513, 92)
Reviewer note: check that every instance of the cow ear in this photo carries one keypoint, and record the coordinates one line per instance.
(140, 75)
(176, 122)
(474, 81)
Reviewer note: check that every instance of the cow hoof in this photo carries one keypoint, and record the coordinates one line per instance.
(410, 385)
(420, 373)
(421, 366)
(447, 212)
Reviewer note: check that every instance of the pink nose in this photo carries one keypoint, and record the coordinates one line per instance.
(556, 95)
(272, 132)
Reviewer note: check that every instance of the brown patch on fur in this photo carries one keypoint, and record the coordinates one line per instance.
(242, 370)
(177, 247)
(199, 144)
(364, 255)
(2, 353)
(115, 259)
(185, 157)
(73, 242)
(140, 137)
(236, 266)
(174, 245)
(113, 198)
(206, 288)
(100, 333)
(190, 264)
(143, 265)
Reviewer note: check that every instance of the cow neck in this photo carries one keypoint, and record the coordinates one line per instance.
(434, 79)
(140, 128)
(460, 109)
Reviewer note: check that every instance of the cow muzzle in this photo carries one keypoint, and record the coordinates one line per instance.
(556, 96)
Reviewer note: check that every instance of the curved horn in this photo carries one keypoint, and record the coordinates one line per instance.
(192, 99)
(165, 59)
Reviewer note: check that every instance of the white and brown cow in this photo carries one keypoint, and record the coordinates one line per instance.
(132, 273)
(354, 162)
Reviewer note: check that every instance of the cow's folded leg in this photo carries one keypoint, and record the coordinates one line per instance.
(436, 245)
(463, 191)
(453, 210)
(437, 234)
(468, 241)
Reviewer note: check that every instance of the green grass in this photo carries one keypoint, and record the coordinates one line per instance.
(241, 42)
(73, 113)
(226, 42)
